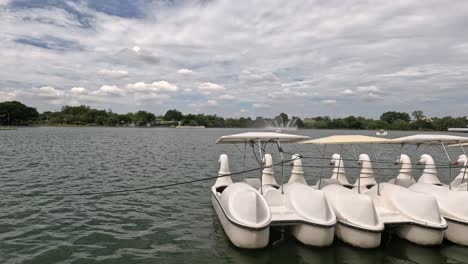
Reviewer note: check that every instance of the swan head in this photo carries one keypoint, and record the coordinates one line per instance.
(296, 164)
(363, 158)
(335, 159)
(296, 160)
(462, 159)
(425, 159)
(404, 159)
(223, 164)
(267, 162)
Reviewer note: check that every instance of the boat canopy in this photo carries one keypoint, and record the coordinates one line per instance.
(430, 139)
(260, 136)
(346, 139)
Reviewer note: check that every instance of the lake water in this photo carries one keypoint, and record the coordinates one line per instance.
(171, 225)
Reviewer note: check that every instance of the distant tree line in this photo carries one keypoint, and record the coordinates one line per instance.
(16, 113)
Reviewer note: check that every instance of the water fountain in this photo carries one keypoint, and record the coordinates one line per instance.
(281, 123)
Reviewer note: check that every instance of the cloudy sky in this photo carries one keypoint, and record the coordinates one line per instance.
(237, 58)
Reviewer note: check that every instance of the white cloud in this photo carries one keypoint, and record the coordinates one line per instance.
(257, 76)
(348, 92)
(259, 106)
(7, 96)
(329, 102)
(185, 72)
(208, 87)
(151, 97)
(227, 97)
(79, 90)
(267, 46)
(371, 97)
(47, 92)
(244, 111)
(368, 89)
(212, 102)
(160, 86)
(109, 90)
(113, 73)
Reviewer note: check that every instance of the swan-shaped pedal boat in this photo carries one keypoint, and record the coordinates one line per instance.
(243, 212)
(451, 202)
(305, 210)
(415, 216)
(358, 222)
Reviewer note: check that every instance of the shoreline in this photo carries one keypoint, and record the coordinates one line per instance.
(197, 127)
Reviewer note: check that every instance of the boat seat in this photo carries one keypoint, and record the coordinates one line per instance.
(273, 196)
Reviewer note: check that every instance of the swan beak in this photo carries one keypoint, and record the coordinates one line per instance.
(455, 163)
(332, 163)
(396, 163)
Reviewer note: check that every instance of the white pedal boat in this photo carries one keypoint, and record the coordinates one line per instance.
(243, 212)
(452, 203)
(416, 216)
(248, 209)
(451, 198)
(303, 209)
(358, 222)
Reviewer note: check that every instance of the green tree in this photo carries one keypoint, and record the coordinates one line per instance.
(173, 115)
(392, 116)
(193, 123)
(418, 115)
(16, 113)
(141, 118)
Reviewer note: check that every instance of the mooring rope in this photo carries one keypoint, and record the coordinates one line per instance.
(147, 188)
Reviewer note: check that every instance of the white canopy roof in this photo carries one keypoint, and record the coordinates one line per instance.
(346, 139)
(260, 136)
(430, 139)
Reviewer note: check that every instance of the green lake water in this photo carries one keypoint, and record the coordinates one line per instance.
(170, 225)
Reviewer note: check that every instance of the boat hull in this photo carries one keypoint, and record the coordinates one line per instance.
(241, 237)
(457, 232)
(311, 235)
(357, 237)
(421, 235)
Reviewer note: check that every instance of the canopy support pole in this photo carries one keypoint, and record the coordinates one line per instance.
(339, 160)
(399, 157)
(450, 164)
(280, 149)
(245, 148)
(465, 167)
(378, 168)
(416, 157)
(321, 167)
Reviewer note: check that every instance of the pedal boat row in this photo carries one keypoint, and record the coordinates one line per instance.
(356, 214)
